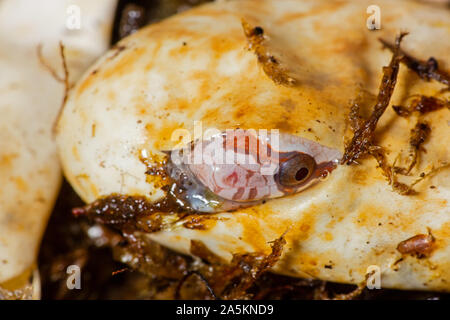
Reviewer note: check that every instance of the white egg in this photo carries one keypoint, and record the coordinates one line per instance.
(30, 98)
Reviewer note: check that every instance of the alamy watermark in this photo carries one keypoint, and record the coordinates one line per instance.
(373, 277)
(73, 20)
(74, 279)
(373, 22)
(232, 146)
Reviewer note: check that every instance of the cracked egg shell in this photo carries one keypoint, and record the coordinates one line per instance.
(196, 66)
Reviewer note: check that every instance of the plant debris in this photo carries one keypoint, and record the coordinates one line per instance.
(421, 131)
(423, 105)
(130, 213)
(323, 294)
(426, 70)
(149, 257)
(199, 221)
(362, 141)
(233, 280)
(246, 268)
(270, 64)
(380, 156)
(156, 272)
(222, 280)
(363, 137)
(419, 134)
(132, 217)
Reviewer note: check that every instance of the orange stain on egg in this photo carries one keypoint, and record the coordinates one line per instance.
(359, 176)
(370, 216)
(213, 115)
(317, 10)
(327, 236)
(221, 45)
(94, 190)
(21, 184)
(303, 229)
(442, 235)
(252, 233)
(180, 51)
(6, 160)
(142, 109)
(75, 153)
(112, 95)
(153, 55)
(182, 105)
(165, 137)
(125, 64)
(86, 83)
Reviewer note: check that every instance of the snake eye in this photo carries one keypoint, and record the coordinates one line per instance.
(296, 170)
